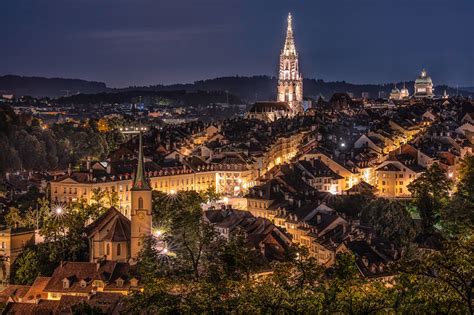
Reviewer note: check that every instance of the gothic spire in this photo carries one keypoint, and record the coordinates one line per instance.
(140, 182)
(289, 41)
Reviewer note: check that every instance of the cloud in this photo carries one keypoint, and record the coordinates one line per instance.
(143, 36)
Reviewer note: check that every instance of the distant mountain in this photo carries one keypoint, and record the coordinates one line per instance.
(180, 97)
(247, 89)
(47, 87)
(258, 88)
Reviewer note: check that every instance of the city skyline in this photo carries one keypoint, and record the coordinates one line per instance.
(146, 44)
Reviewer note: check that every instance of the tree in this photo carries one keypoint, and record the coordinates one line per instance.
(26, 267)
(458, 215)
(430, 192)
(445, 276)
(236, 258)
(210, 194)
(148, 264)
(156, 298)
(194, 242)
(14, 218)
(345, 267)
(390, 220)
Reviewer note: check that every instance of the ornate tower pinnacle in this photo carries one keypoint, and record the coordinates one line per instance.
(141, 212)
(289, 40)
(290, 80)
(140, 182)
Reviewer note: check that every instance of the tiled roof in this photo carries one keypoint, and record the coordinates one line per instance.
(77, 271)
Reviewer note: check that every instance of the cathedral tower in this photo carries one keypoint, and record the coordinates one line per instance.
(141, 214)
(290, 80)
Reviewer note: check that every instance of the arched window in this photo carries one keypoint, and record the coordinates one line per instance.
(140, 203)
(119, 249)
(107, 250)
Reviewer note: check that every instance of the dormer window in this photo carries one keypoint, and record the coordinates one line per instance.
(134, 282)
(66, 283)
(119, 282)
(83, 283)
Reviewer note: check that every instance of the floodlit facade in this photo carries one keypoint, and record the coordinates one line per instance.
(424, 86)
(290, 80)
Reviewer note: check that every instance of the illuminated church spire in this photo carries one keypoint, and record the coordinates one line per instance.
(140, 182)
(290, 80)
(290, 40)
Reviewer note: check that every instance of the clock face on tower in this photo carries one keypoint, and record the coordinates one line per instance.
(141, 215)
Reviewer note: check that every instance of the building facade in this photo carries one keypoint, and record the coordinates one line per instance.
(290, 80)
(423, 86)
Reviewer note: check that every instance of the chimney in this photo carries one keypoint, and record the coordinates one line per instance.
(69, 169)
(109, 168)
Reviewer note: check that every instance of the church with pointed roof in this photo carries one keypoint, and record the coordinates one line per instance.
(290, 80)
(289, 101)
(115, 237)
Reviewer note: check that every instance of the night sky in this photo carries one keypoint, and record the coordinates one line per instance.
(143, 42)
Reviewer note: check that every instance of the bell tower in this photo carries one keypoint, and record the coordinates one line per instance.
(141, 214)
(290, 80)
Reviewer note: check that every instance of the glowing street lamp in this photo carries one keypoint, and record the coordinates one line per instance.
(157, 233)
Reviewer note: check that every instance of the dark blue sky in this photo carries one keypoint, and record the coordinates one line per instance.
(142, 42)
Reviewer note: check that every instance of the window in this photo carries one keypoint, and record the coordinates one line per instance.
(65, 283)
(140, 203)
(107, 250)
(119, 249)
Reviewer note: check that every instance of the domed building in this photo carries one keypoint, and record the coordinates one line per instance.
(398, 95)
(395, 94)
(404, 92)
(423, 86)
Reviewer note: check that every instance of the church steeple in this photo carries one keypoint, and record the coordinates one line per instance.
(140, 182)
(289, 46)
(141, 212)
(290, 80)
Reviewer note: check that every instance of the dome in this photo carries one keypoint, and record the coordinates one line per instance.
(424, 78)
